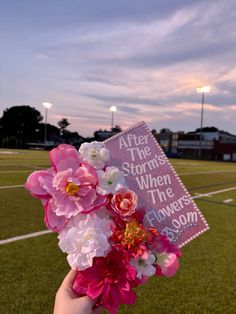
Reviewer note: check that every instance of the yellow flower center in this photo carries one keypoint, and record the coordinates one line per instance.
(134, 233)
(72, 188)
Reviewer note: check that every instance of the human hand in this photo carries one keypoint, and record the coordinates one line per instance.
(67, 302)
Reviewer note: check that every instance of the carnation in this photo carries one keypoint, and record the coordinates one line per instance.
(85, 237)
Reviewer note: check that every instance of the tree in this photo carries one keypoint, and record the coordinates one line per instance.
(116, 128)
(21, 123)
(63, 124)
(208, 129)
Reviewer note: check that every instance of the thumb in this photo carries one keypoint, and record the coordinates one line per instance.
(85, 304)
(69, 279)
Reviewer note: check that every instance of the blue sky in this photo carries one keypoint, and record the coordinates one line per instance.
(146, 57)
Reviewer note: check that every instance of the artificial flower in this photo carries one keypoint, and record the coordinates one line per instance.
(52, 221)
(75, 192)
(95, 153)
(85, 237)
(66, 189)
(131, 236)
(109, 181)
(35, 183)
(100, 228)
(144, 265)
(166, 255)
(124, 202)
(167, 264)
(110, 279)
(64, 157)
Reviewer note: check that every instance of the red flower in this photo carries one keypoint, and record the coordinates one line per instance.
(132, 236)
(110, 279)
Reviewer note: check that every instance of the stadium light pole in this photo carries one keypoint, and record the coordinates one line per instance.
(202, 90)
(47, 105)
(113, 110)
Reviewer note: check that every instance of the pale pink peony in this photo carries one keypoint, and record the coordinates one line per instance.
(75, 191)
(66, 189)
(65, 156)
(36, 183)
(124, 202)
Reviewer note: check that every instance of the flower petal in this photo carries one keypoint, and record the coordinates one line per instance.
(52, 221)
(65, 156)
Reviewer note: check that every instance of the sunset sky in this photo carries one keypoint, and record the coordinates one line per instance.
(146, 57)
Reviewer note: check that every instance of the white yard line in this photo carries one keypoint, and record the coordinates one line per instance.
(11, 186)
(199, 194)
(25, 236)
(204, 172)
(214, 192)
(39, 233)
(229, 200)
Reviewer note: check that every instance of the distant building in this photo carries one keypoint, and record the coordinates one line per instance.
(215, 145)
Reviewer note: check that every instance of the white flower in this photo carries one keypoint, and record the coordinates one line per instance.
(85, 237)
(143, 266)
(109, 181)
(95, 153)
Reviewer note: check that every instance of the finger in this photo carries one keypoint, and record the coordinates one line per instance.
(69, 279)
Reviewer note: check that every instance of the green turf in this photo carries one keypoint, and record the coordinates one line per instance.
(13, 178)
(203, 183)
(20, 213)
(23, 159)
(32, 269)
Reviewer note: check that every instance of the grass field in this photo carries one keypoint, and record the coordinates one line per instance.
(32, 269)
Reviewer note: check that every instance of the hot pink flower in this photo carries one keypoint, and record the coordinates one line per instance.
(110, 279)
(124, 202)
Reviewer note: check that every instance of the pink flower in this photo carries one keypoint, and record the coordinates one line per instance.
(64, 157)
(36, 183)
(66, 189)
(124, 202)
(167, 264)
(110, 279)
(166, 255)
(52, 221)
(75, 191)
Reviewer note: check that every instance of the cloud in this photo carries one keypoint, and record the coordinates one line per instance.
(145, 57)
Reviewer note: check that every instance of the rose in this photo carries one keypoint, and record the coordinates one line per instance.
(124, 202)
